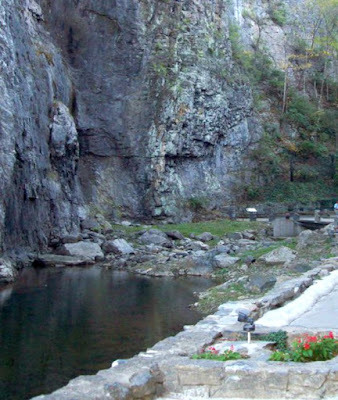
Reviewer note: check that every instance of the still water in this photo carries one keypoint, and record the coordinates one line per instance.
(56, 324)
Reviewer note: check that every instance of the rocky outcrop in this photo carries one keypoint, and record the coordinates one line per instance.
(120, 108)
(39, 147)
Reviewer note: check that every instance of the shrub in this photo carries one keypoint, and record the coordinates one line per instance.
(309, 348)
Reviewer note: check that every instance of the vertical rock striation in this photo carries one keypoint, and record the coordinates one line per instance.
(38, 140)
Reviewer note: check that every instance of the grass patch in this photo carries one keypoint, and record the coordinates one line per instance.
(218, 227)
(214, 297)
(264, 250)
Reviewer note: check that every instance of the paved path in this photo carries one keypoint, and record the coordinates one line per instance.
(317, 307)
(323, 315)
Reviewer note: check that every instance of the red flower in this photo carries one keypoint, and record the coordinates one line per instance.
(306, 346)
(331, 335)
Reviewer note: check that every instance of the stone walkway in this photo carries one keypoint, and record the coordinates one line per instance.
(168, 368)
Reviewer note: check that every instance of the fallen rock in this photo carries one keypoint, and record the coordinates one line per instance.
(56, 260)
(118, 246)
(278, 256)
(8, 272)
(156, 237)
(235, 235)
(195, 245)
(176, 235)
(224, 261)
(87, 250)
(205, 237)
(309, 238)
(260, 283)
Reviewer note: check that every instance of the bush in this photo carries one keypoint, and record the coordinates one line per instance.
(309, 348)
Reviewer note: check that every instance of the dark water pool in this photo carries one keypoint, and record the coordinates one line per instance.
(56, 324)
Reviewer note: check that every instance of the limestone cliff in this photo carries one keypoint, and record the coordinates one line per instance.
(129, 107)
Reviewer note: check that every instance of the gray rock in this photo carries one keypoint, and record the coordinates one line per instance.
(156, 237)
(56, 260)
(278, 256)
(308, 238)
(118, 391)
(195, 245)
(260, 283)
(88, 250)
(118, 246)
(235, 235)
(8, 272)
(205, 237)
(176, 235)
(225, 261)
(71, 238)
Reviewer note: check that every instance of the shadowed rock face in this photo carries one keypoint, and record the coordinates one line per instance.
(127, 105)
(159, 117)
(38, 139)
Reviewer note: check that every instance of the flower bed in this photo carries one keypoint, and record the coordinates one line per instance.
(309, 348)
(210, 353)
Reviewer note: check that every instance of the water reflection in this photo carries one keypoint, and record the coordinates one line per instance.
(56, 324)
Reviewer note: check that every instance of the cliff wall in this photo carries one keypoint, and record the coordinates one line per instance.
(126, 107)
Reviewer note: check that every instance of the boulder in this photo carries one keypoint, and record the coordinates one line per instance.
(309, 238)
(199, 264)
(248, 235)
(235, 235)
(278, 256)
(260, 283)
(90, 224)
(156, 237)
(196, 245)
(176, 235)
(57, 260)
(225, 261)
(7, 271)
(87, 250)
(205, 237)
(118, 246)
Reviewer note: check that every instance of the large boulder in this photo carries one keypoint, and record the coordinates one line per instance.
(87, 250)
(118, 246)
(199, 264)
(281, 255)
(225, 261)
(157, 237)
(309, 238)
(7, 271)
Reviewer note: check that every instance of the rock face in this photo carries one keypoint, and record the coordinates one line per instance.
(159, 119)
(128, 106)
(39, 147)
(7, 271)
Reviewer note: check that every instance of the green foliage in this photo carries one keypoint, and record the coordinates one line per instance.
(197, 203)
(297, 192)
(309, 348)
(218, 227)
(212, 354)
(280, 338)
(277, 12)
(280, 356)
(301, 112)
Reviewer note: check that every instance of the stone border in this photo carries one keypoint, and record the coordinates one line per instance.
(167, 366)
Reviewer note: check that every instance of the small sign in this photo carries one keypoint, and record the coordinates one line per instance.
(251, 210)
